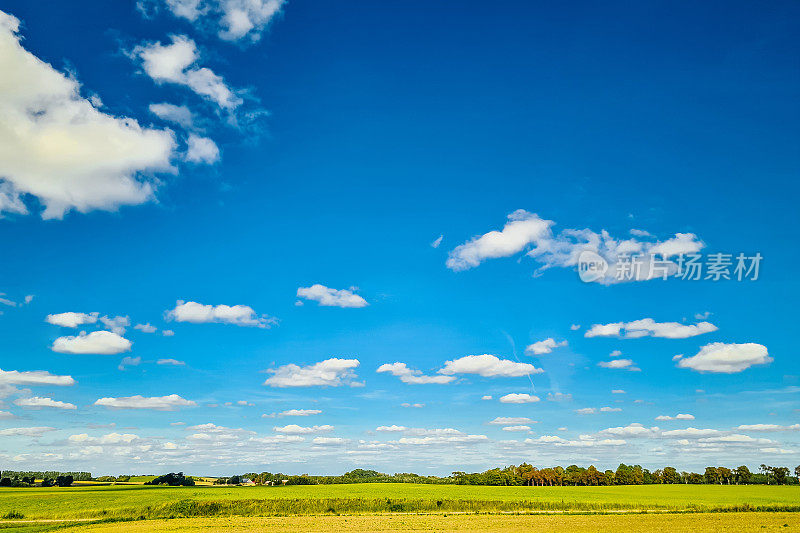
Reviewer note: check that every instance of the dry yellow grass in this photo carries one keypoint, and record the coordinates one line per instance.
(634, 523)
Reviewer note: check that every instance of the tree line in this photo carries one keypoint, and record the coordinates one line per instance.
(15, 478)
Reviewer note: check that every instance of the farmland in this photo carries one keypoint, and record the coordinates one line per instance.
(370, 506)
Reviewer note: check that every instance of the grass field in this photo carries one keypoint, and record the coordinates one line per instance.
(390, 507)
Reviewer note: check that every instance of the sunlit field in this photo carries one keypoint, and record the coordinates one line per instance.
(135, 502)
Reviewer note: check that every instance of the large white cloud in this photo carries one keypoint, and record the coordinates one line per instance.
(332, 372)
(411, 376)
(159, 403)
(722, 358)
(57, 146)
(326, 296)
(239, 315)
(649, 327)
(489, 366)
(96, 342)
(35, 402)
(177, 63)
(527, 231)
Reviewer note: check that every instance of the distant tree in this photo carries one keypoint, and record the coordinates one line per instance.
(670, 475)
(780, 474)
(172, 479)
(711, 476)
(742, 475)
(47, 482)
(725, 475)
(64, 481)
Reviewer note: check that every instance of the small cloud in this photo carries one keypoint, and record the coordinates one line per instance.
(575, 327)
(413, 405)
(96, 342)
(559, 397)
(624, 364)
(129, 361)
(486, 397)
(544, 347)
(519, 398)
(145, 328)
(437, 241)
(617, 391)
(173, 362)
(328, 297)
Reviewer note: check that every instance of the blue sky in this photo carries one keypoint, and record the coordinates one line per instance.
(325, 149)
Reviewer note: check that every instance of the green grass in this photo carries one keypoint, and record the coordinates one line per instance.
(132, 502)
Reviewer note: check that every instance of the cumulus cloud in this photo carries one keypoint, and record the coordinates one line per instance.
(488, 366)
(690, 433)
(631, 430)
(679, 416)
(239, 315)
(117, 324)
(34, 377)
(391, 429)
(25, 432)
(36, 402)
(543, 347)
(57, 146)
(527, 231)
(96, 342)
(332, 372)
(647, 327)
(201, 150)
(71, 319)
(626, 364)
(413, 377)
(522, 230)
(176, 63)
(146, 328)
(722, 358)
(159, 403)
(517, 428)
(234, 20)
(328, 297)
(300, 412)
(294, 429)
(519, 398)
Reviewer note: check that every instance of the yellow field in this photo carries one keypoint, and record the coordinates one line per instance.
(688, 523)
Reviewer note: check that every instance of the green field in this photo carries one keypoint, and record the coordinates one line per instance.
(138, 502)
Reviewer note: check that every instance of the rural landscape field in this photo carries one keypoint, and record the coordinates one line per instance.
(399, 265)
(377, 507)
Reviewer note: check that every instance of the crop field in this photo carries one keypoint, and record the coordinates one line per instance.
(381, 506)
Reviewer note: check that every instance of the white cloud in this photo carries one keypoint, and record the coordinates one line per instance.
(129, 361)
(176, 114)
(626, 364)
(722, 358)
(168, 333)
(391, 429)
(36, 402)
(521, 230)
(413, 377)
(116, 324)
(300, 412)
(558, 397)
(235, 20)
(691, 433)
(543, 347)
(586, 411)
(489, 366)
(679, 416)
(768, 427)
(294, 429)
(610, 409)
(413, 405)
(25, 432)
(517, 428)
(437, 241)
(328, 373)
(34, 377)
(506, 420)
(486, 397)
(159, 403)
(57, 146)
(96, 342)
(519, 398)
(329, 441)
(146, 328)
(239, 315)
(201, 150)
(72, 320)
(617, 391)
(177, 63)
(649, 327)
(631, 430)
(525, 230)
(173, 362)
(615, 353)
(328, 297)
(575, 327)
